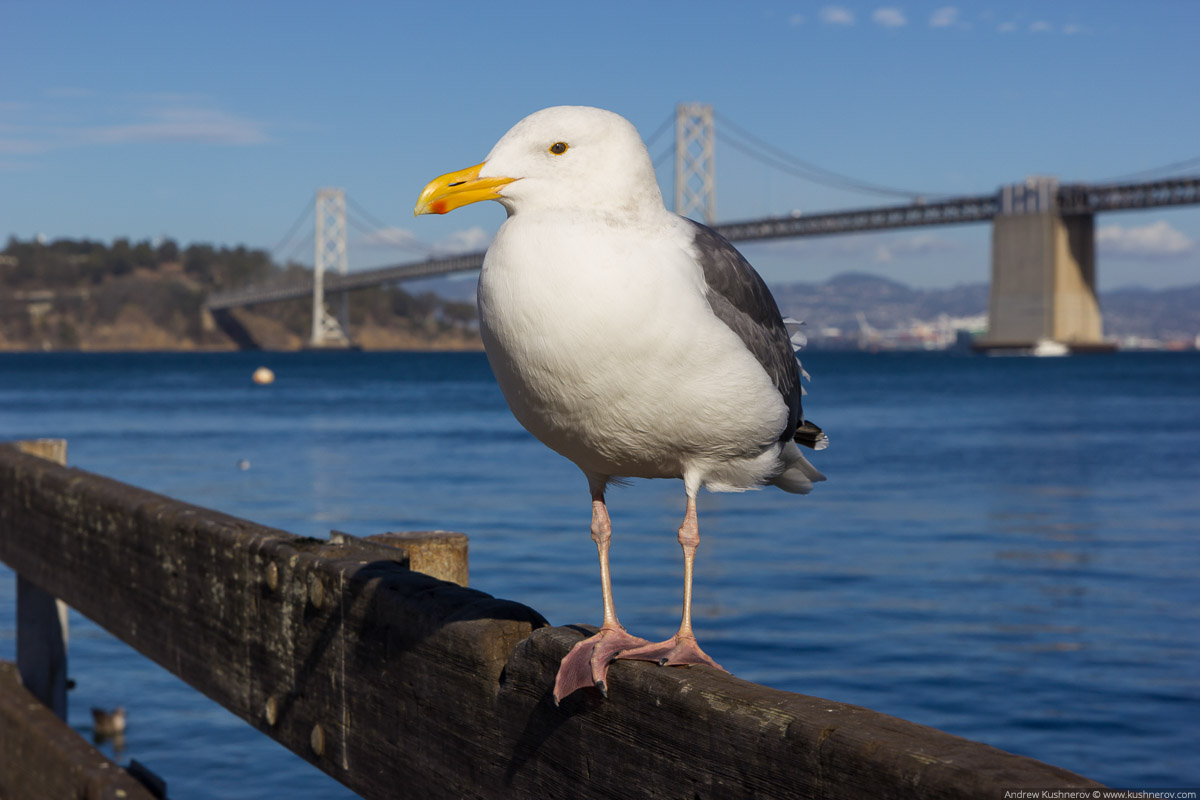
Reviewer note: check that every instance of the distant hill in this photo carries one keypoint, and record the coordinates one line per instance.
(886, 303)
(86, 295)
(1158, 314)
(883, 302)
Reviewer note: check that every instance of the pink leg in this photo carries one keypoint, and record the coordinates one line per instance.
(681, 649)
(587, 663)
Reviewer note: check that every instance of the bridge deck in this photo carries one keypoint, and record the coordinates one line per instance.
(1071, 199)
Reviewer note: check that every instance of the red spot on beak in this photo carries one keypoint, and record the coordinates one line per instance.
(438, 207)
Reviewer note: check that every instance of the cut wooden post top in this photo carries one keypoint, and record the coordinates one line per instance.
(51, 449)
(440, 554)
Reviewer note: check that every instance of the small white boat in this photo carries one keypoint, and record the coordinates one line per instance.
(1049, 347)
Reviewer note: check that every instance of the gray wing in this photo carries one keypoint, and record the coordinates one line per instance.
(740, 299)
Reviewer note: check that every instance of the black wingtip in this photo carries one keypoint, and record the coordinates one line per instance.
(809, 435)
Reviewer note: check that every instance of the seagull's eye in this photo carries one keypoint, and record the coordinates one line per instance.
(558, 148)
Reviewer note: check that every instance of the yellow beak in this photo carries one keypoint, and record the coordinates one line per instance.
(456, 189)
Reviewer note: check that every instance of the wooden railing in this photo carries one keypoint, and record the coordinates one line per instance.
(401, 684)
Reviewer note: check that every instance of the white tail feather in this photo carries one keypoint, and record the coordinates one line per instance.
(798, 475)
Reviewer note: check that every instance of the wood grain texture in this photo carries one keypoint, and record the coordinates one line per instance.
(402, 685)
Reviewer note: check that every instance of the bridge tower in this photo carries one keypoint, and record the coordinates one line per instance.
(1043, 271)
(695, 171)
(329, 249)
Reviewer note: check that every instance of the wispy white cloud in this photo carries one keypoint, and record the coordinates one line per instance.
(396, 238)
(922, 244)
(1156, 240)
(401, 238)
(889, 17)
(15, 166)
(1040, 26)
(944, 17)
(71, 117)
(20, 146)
(1006, 27)
(22, 135)
(1073, 29)
(464, 241)
(69, 91)
(837, 15)
(796, 19)
(181, 124)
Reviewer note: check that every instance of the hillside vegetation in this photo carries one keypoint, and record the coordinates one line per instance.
(87, 295)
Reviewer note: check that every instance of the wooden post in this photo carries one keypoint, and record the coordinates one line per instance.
(42, 618)
(438, 554)
(442, 554)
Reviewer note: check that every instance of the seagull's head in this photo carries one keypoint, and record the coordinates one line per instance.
(565, 157)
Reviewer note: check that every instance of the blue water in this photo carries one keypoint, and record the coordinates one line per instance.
(1006, 548)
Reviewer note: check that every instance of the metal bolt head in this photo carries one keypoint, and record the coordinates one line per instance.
(272, 576)
(317, 739)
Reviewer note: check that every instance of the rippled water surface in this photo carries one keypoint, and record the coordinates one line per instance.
(1006, 548)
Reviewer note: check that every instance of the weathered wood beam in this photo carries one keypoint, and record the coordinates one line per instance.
(42, 757)
(398, 684)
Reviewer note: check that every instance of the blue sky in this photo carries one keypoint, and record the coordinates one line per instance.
(217, 121)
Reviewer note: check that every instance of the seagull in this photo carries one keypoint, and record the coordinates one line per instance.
(108, 724)
(635, 342)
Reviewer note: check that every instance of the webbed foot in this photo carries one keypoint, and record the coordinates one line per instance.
(587, 663)
(677, 651)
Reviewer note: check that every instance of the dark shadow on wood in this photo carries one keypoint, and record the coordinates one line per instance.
(545, 718)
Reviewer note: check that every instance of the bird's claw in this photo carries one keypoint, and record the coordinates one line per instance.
(587, 662)
(678, 651)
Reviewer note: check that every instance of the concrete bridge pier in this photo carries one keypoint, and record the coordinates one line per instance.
(1043, 272)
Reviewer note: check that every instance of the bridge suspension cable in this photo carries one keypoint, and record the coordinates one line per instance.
(390, 236)
(1174, 169)
(659, 131)
(287, 237)
(669, 150)
(380, 232)
(302, 245)
(772, 156)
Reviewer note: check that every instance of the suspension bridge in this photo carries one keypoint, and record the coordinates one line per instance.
(1043, 239)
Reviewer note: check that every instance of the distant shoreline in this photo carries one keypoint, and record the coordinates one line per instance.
(450, 348)
(457, 349)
